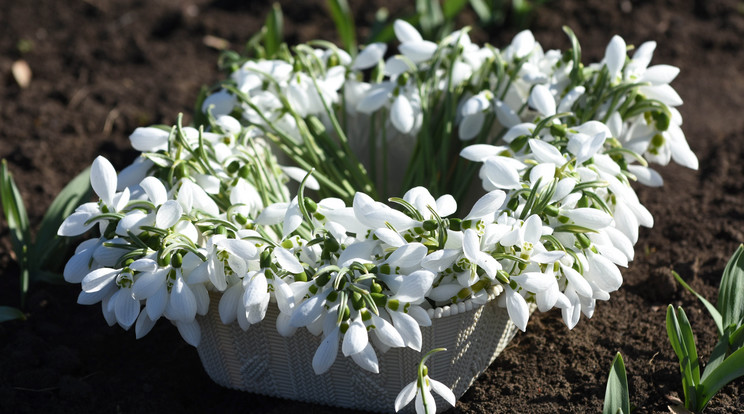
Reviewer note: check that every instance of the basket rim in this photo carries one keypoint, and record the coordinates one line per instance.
(464, 306)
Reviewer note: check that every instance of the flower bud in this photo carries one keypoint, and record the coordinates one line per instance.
(177, 259)
(310, 205)
(430, 225)
(233, 167)
(244, 172)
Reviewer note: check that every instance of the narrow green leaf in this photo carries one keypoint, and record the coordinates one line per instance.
(730, 369)
(481, 9)
(10, 314)
(617, 397)
(430, 13)
(674, 331)
(14, 210)
(274, 28)
(689, 342)
(730, 297)
(717, 356)
(75, 193)
(452, 8)
(573, 228)
(711, 309)
(576, 73)
(344, 20)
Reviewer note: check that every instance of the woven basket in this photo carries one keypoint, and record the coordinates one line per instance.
(261, 361)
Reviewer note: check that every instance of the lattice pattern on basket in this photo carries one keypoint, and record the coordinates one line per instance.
(261, 361)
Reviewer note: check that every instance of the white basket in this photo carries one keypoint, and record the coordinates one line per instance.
(261, 361)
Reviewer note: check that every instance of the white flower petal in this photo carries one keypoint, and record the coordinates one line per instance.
(369, 57)
(615, 56)
(326, 353)
(408, 256)
(228, 306)
(182, 303)
(143, 326)
(405, 32)
(487, 205)
(406, 395)
(150, 139)
(190, 332)
(542, 100)
(401, 114)
(148, 283)
(444, 391)
(287, 260)
(98, 279)
(546, 153)
(415, 286)
(256, 290)
(126, 308)
(408, 329)
(168, 214)
(74, 224)
(517, 308)
(367, 359)
(103, 180)
(418, 51)
(355, 338)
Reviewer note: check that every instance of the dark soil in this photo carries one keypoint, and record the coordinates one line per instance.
(100, 69)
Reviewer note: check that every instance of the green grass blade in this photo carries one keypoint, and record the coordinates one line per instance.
(274, 30)
(344, 20)
(711, 309)
(617, 397)
(730, 297)
(730, 369)
(10, 314)
(75, 193)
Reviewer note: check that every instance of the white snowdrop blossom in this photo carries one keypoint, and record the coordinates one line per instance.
(208, 213)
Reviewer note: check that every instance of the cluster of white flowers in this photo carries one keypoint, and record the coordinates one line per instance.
(209, 211)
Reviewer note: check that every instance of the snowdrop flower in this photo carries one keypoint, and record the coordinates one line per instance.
(412, 45)
(421, 390)
(370, 56)
(104, 182)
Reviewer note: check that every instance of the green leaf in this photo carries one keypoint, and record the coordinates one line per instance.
(711, 309)
(717, 356)
(9, 314)
(75, 193)
(731, 293)
(689, 343)
(676, 337)
(481, 9)
(430, 13)
(617, 397)
(14, 210)
(452, 8)
(576, 73)
(344, 20)
(730, 369)
(274, 30)
(17, 218)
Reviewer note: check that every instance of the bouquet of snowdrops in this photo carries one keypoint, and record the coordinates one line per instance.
(211, 208)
